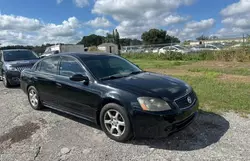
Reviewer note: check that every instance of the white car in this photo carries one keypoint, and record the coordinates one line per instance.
(155, 50)
(205, 47)
(175, 48)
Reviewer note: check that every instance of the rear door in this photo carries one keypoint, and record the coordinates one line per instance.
(45, 80)
(1, 64)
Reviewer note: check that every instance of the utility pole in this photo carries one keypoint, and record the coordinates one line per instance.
(243, 39)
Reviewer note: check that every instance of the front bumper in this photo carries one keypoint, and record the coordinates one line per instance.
(152, 125)
(13, 77)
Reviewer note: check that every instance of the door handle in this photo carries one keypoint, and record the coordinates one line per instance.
(58, 85)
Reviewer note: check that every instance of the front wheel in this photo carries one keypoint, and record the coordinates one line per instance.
(115, 122)
(5, 81)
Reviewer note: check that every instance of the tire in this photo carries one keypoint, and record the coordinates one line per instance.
(109, 120)
(5, 81)
(34, 99)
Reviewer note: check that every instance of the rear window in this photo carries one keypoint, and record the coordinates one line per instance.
(17, 55)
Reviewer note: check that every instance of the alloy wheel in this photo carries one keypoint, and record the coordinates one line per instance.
(33, 98)
(114, 122)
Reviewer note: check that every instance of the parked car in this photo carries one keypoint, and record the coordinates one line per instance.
(12, 63)
(148, 50)
(156, 50)
(205, 47)
(112, 92)
(132, 49)
(55, 49)
(175, 48)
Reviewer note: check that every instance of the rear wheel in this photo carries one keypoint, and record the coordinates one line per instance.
(115, 122)
(5, 81)
(34, 99)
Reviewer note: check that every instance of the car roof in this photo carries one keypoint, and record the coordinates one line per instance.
(16, 50)
(85, 55)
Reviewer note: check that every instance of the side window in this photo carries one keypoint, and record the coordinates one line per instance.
(37, 67)
(69, 67)
(48, 50)
(1, 56)
(49, 65)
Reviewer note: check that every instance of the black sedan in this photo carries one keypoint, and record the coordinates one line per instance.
(112, 92)
(12, 62)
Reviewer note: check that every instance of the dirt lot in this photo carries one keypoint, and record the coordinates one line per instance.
(27, 135)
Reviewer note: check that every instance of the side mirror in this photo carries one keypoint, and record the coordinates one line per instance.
(79, 78)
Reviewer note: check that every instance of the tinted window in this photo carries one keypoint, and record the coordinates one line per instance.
(16, 55)
(49, 65)
(69, 66)
(103, 66)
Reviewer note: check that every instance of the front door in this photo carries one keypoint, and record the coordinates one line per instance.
(75, 97)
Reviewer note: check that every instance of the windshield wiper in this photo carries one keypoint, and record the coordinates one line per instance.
(112, 77)
(135, 72)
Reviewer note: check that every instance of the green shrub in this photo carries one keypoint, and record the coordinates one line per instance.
(240, 55)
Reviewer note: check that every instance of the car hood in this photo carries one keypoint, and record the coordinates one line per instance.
(21, 63)
(152, 85)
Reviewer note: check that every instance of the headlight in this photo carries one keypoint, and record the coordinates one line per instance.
(11, 68)
(153, 104)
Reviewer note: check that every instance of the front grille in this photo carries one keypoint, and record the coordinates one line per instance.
(21, 68)
(186, 101)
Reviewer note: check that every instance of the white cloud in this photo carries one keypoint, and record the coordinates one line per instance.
(12, 22)
(23, 30)
(81, 3)
(241, 7)
(243, 23)
(200, 26)
(67, 28)
(59, 1)
(170, 20)
(101, 32)
(137, 16)
(193, 29)
(99, 22)
(78, 3)
(236, 19)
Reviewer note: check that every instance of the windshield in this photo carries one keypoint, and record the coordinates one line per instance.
(106, 66)
(19, 55)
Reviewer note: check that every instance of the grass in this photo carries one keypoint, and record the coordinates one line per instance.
(240, 55)
(233, 71)
(160, 64)
(214, 95)
(220, 96)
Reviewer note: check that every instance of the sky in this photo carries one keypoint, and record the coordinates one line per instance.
(36, 22)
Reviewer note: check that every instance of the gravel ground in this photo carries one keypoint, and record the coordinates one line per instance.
(27, 135)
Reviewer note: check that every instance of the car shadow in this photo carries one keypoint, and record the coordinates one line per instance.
(207, 129)
(73, 118)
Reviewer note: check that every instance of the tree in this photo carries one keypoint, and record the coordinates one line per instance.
(248, 38)
(92, 40)
(187, 42)
(116, 37)
(109, 38)
(130, 42)
(155, 36)
(214, 37)
(202, 37)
